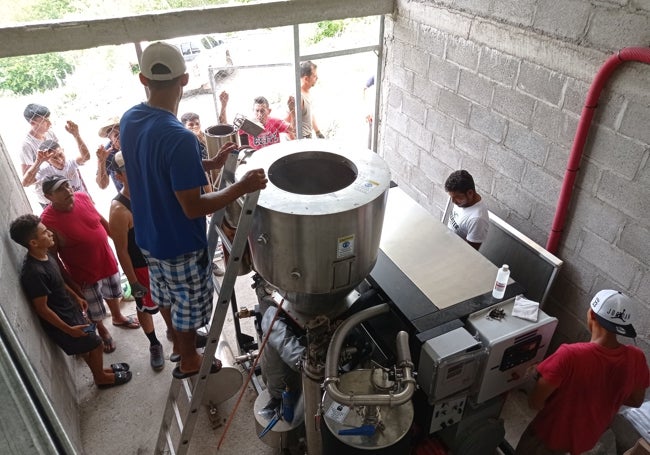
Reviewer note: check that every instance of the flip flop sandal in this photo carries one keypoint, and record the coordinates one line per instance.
(121, 377)
(130, 323)
(116, 367)
(178, 374)
(109, 345)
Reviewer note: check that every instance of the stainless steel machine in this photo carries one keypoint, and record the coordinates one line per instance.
(393, 311)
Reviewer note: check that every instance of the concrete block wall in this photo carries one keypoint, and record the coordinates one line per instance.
(54, 369)
(497, 88)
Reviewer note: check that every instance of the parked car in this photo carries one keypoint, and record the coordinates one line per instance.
(202, 52)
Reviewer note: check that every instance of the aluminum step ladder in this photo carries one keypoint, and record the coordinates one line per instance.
(177, 422)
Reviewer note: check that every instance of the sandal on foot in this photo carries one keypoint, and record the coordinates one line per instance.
(109, 345)
(178, 374)
(121, 377)
(120, 367)
(129, 323)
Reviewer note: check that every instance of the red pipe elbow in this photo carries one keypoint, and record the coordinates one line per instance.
(628, 54)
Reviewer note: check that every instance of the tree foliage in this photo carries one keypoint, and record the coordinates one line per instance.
(33, 73)
(37, 73)
(327, 29)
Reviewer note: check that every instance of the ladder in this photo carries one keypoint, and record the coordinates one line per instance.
(192, 389)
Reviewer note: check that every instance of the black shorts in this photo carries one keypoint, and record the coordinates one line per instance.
(72, 345)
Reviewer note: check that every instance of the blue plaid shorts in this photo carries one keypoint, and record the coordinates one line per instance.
(183, 284)
(106, 288)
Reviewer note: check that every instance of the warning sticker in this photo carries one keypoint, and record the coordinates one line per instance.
(337, 412)
(345, 246)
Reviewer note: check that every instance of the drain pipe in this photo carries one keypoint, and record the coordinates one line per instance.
(628, 54)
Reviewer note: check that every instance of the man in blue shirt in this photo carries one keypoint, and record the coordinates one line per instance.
(166, 176)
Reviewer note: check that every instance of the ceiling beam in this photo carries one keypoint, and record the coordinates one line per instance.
(59, 36)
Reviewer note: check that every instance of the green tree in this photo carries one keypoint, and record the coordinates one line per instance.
(327, 29)
(37, 73)
(33, 73)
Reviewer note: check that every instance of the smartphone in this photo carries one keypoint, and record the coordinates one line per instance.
(91, 328)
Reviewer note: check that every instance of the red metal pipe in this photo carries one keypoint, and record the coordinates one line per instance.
(628, 54)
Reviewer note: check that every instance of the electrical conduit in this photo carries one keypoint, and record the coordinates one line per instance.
(628, 54)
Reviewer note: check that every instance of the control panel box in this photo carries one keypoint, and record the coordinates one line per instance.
(449, 364)
(515, 346)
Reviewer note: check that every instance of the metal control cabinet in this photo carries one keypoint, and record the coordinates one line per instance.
(515, 347)
(449, 364)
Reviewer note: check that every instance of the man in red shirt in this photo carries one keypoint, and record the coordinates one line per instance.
(81, 242)
(582, 385)
(273, 127)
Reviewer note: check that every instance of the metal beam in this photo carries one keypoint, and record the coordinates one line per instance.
(59, 36)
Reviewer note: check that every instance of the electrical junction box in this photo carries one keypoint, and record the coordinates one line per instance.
(449, 364)
(515, 346)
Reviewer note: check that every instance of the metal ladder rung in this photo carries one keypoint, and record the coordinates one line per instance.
(179, 417)
(188, 389)
(224, 239)
(170, 443)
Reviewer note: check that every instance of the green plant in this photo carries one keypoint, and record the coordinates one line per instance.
(33, 73)
(327, 29)
(135, 68)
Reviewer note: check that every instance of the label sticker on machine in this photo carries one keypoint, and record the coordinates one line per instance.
(345, 246)
(337, 412)
(365, 186)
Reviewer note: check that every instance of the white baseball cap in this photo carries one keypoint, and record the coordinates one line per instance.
(615, 312)
(169, 61)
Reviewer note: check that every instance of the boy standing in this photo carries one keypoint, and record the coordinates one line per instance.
(62, 319)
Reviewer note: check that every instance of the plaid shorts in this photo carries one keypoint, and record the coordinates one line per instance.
(106, 288)
(183, 284)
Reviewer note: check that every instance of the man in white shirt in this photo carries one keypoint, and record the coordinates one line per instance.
(469, 218)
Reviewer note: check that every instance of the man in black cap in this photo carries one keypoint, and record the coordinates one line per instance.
(81, 242)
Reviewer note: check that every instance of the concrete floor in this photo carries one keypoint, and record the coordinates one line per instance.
(126, 419)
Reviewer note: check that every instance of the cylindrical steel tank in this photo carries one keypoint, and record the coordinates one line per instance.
(391, 437)
(318, 223)
(215, 137)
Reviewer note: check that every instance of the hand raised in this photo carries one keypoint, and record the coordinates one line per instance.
(72, 128)
(103, 152)
(43, 155)
(224, 97)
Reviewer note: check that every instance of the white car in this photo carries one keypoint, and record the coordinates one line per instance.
(200, 53)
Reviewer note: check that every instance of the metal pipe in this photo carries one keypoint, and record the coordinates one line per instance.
(378, 77)
(297, 112)
(629, 54)
(332, 359)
